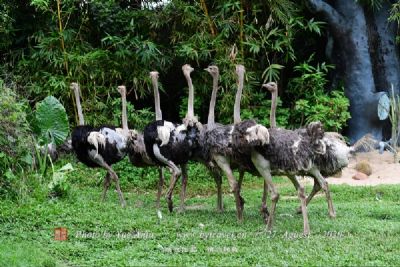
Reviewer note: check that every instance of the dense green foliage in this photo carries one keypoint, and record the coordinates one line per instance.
(365, 231)
(102, 44)
(312, 103)
(16, 141)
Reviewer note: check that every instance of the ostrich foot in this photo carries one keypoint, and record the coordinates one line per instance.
(242, 202)
(269, 222)
(306, 231)
(264, 213)
(298, 210)
(170, 205)
(332, 214)
(182, 209)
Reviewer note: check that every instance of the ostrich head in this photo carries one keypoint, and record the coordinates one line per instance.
(240, 69)
(271, 86)
(213, 70)
(154, 74)
(187, 69)
(122, 89)
(74, 86)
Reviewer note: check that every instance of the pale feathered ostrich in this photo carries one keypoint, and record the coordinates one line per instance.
(170, 144)
(99, 146)
(218, 145)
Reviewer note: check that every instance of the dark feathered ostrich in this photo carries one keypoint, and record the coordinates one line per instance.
(214, 72)
(307, 151)
(154, 79)
(218, 144)
(170, 144)
(139, 157)
(98, 146)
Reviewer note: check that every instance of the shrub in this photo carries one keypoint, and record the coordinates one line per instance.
(313, 103)
(16, 142)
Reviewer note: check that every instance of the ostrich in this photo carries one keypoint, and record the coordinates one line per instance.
(308, 151)
(218, 145)
(98, 146)
(169, 144)
(154, 79)
(214, 72)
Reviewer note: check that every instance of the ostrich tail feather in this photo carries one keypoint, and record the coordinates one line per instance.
(163, 134)
(257, 135)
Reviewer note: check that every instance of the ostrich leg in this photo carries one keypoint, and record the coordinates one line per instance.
(240, 181)
(315, 190)
(264, 209)
(99, 160)
(241, 176)
(324, 185)
(160, 186)
(302, 197)
(218, 182)
(176, 172)
(263, 167)
(184, 184)
(223, 163)
(107, 182)
(174, 178)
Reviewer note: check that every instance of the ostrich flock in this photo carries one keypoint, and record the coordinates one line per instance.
(245, 146)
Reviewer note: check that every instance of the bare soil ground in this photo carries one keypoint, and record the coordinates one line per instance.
(384, 170)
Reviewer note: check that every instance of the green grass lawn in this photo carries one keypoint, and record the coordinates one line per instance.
(366, 231)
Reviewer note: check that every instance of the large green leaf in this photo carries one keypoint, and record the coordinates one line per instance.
(52, 120)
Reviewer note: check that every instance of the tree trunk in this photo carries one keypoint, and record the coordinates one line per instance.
(364, 81)
(386, 60)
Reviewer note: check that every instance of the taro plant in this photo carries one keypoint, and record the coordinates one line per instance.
(51, 126)
(51, 121)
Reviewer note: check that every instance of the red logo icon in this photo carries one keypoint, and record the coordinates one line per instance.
(61, 234)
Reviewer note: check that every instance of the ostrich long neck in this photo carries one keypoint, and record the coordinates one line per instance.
(274, 103)
(124, 114)
(211, 117)
(156, 98)
(236, 110)
(190, 111)
(78, 105)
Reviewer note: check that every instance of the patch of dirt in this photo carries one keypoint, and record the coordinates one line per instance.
(384, 170)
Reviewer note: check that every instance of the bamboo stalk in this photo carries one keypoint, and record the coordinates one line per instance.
(62, 43)
(241, 29)
(60, 28)
(210, 23)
